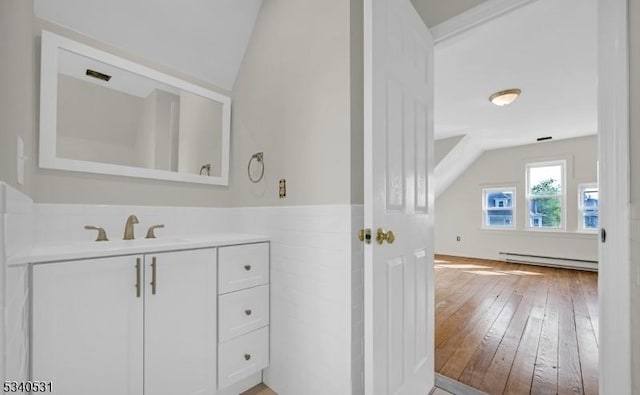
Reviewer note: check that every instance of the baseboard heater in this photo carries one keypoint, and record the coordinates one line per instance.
(568, 263)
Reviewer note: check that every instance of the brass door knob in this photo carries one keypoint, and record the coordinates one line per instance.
(383, 235)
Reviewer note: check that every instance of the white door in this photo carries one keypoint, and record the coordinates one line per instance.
(87, 326)
(399, 293)
(180, 323)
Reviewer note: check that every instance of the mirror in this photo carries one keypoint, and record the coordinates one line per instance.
(107, 115)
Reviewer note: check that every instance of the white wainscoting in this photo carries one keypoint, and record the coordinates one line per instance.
(312, 296)
(16, 236)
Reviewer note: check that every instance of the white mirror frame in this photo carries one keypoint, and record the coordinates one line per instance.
(51, 44)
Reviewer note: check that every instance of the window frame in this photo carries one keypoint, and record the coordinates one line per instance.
(581, 188)
(563, 195)
(486, 209)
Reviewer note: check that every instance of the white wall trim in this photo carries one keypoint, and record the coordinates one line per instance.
(614, 286)
(473, 17)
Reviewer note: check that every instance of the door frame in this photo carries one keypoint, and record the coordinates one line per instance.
(614, 284)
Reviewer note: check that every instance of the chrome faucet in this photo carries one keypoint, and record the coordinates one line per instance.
(128, 228)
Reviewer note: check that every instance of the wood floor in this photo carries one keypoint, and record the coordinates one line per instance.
(516, 329)
(260, 389)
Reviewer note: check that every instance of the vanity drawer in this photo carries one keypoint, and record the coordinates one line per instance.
(243, 356)
(242, 267)
(242, 311)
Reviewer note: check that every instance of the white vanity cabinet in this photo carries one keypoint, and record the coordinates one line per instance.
(243, 321)
(118, 325)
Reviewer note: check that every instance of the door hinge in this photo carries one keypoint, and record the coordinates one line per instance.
(365, 235)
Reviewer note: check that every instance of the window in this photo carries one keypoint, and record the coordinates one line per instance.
(588, 205)
(498, 206)
(545, 195)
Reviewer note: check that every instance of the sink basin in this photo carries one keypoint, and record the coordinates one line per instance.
(73, 250)
(118, 244)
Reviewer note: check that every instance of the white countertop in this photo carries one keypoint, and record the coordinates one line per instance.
(44, 253)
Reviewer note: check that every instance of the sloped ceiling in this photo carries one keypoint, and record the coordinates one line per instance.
(206, 39)
(548, 49)
(434, 12)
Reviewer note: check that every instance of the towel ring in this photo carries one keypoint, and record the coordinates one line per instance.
(259, 157)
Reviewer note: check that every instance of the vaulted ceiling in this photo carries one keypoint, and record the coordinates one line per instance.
(548, 49)
(202, 38)
(434, 12)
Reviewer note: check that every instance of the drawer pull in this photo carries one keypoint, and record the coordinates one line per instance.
(247, 267)
(247, 357)
(138, 277)
(247, 311)
(154, 281)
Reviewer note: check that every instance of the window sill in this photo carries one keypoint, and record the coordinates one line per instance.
(498, 229)
(545, 230)
(588, 232)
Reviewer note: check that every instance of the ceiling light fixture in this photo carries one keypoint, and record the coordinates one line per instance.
(504, 97)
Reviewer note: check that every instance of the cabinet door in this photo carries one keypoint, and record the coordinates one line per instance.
(180, 323)
(87, 326)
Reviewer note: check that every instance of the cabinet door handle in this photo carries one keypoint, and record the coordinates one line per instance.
(138, 275)
(153, 275)
(247, 267)
(247, 357)
(247, 311)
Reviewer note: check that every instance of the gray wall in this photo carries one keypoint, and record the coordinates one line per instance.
(291, 100)
(459, 208)
(17, 96)
(357, 102)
